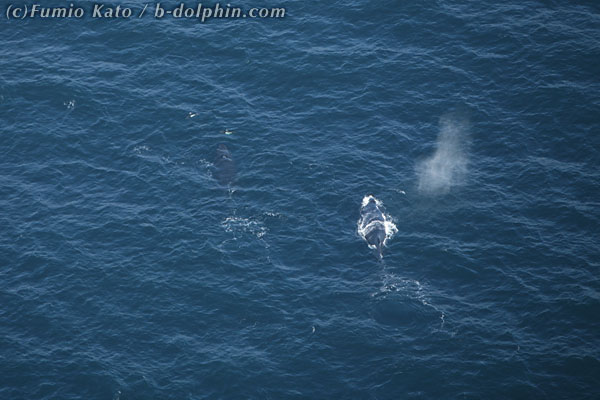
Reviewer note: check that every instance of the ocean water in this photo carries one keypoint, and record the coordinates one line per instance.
(127, 271)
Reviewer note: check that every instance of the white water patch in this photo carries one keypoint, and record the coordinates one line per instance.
(69, 104)
(205, 167)
(388, 222)
(408, 288)
(239, 226)
(141, 149)
(447, 167)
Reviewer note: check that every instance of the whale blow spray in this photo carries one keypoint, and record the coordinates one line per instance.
(447, 167)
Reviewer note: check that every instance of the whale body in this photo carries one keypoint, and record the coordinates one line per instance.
(371, 225)
(224, 171)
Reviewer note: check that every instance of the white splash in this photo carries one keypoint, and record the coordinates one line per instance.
(70, 104)
(388, 222)
(239, 225)
(141, 149)
(447, 167)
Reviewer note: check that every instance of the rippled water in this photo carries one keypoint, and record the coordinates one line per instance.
(127, 271)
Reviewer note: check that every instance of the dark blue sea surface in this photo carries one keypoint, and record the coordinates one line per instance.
(133, 265)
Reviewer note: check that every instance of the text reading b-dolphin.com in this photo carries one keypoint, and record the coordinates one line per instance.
(157, 10)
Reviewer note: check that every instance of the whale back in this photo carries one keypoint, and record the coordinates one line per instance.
(371, 225)
(224, 171)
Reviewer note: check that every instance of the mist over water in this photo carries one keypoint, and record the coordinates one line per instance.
(447, 167)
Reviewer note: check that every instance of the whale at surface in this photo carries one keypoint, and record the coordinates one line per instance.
(373, 225)
(224, 166)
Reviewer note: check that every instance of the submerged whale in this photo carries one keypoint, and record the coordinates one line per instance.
(371, 225)
(224, 171)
